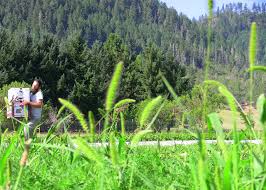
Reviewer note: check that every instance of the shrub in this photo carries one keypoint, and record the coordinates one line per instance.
(166, 116)
(191, 105)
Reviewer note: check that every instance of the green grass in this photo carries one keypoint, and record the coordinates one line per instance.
(67, 162)
(153, 168)
(160, 136)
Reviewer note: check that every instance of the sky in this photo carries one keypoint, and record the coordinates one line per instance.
(196, 8)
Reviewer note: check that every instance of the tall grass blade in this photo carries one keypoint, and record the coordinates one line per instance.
(252, 45)
(210, 8)
(76, 112)
(261, 107)
(4, 160)
(252, 59)
(258, 68)
(123, 127)
(233, 106)
(54, 128)
(207, 61)
(8, 175)
(170, 88)
(215, 122)
(235, 152)
(60, 111)
(84, 149)
(202, 172)
(113, 150)
(147, 111)
(23, 161)
(227, 182)
(217, 178)
(123, 103)
(231, 102)
(92, 126)
(155, 117)
(138, 136)
(240, 109)
(113, 87)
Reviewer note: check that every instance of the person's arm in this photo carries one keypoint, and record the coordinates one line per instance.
(37, 104)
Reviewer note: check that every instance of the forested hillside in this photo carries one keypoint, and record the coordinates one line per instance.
(74, 45)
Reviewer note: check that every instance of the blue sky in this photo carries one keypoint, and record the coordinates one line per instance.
(196, 8)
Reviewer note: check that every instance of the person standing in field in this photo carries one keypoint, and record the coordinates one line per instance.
(35, 108)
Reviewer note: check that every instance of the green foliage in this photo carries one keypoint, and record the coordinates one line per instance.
(89, 152)
(170, 89)
(113, 150)
(169, 113)
(153, 64)
(4, 163)
(137, 137)
(261, 107)
(76, 112)
(192, 104)
(48, 115)
(80, 43)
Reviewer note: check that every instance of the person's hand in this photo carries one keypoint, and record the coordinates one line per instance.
(26, 103)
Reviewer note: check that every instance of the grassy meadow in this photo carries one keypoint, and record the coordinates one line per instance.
(66, 161)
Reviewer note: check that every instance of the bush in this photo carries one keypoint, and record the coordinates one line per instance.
(166, 116)
(187, 113)
(192, 105)
(48, 116)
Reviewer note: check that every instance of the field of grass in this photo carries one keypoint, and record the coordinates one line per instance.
(54, 167)
(69, 162)
(168, 136)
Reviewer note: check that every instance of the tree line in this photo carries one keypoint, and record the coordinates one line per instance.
(73, 47)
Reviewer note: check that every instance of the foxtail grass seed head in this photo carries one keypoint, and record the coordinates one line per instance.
(210, 7)
(124, 102)
(252, 44)
(149, 109)
(25, 154)
(76, 112)
(113, 87)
